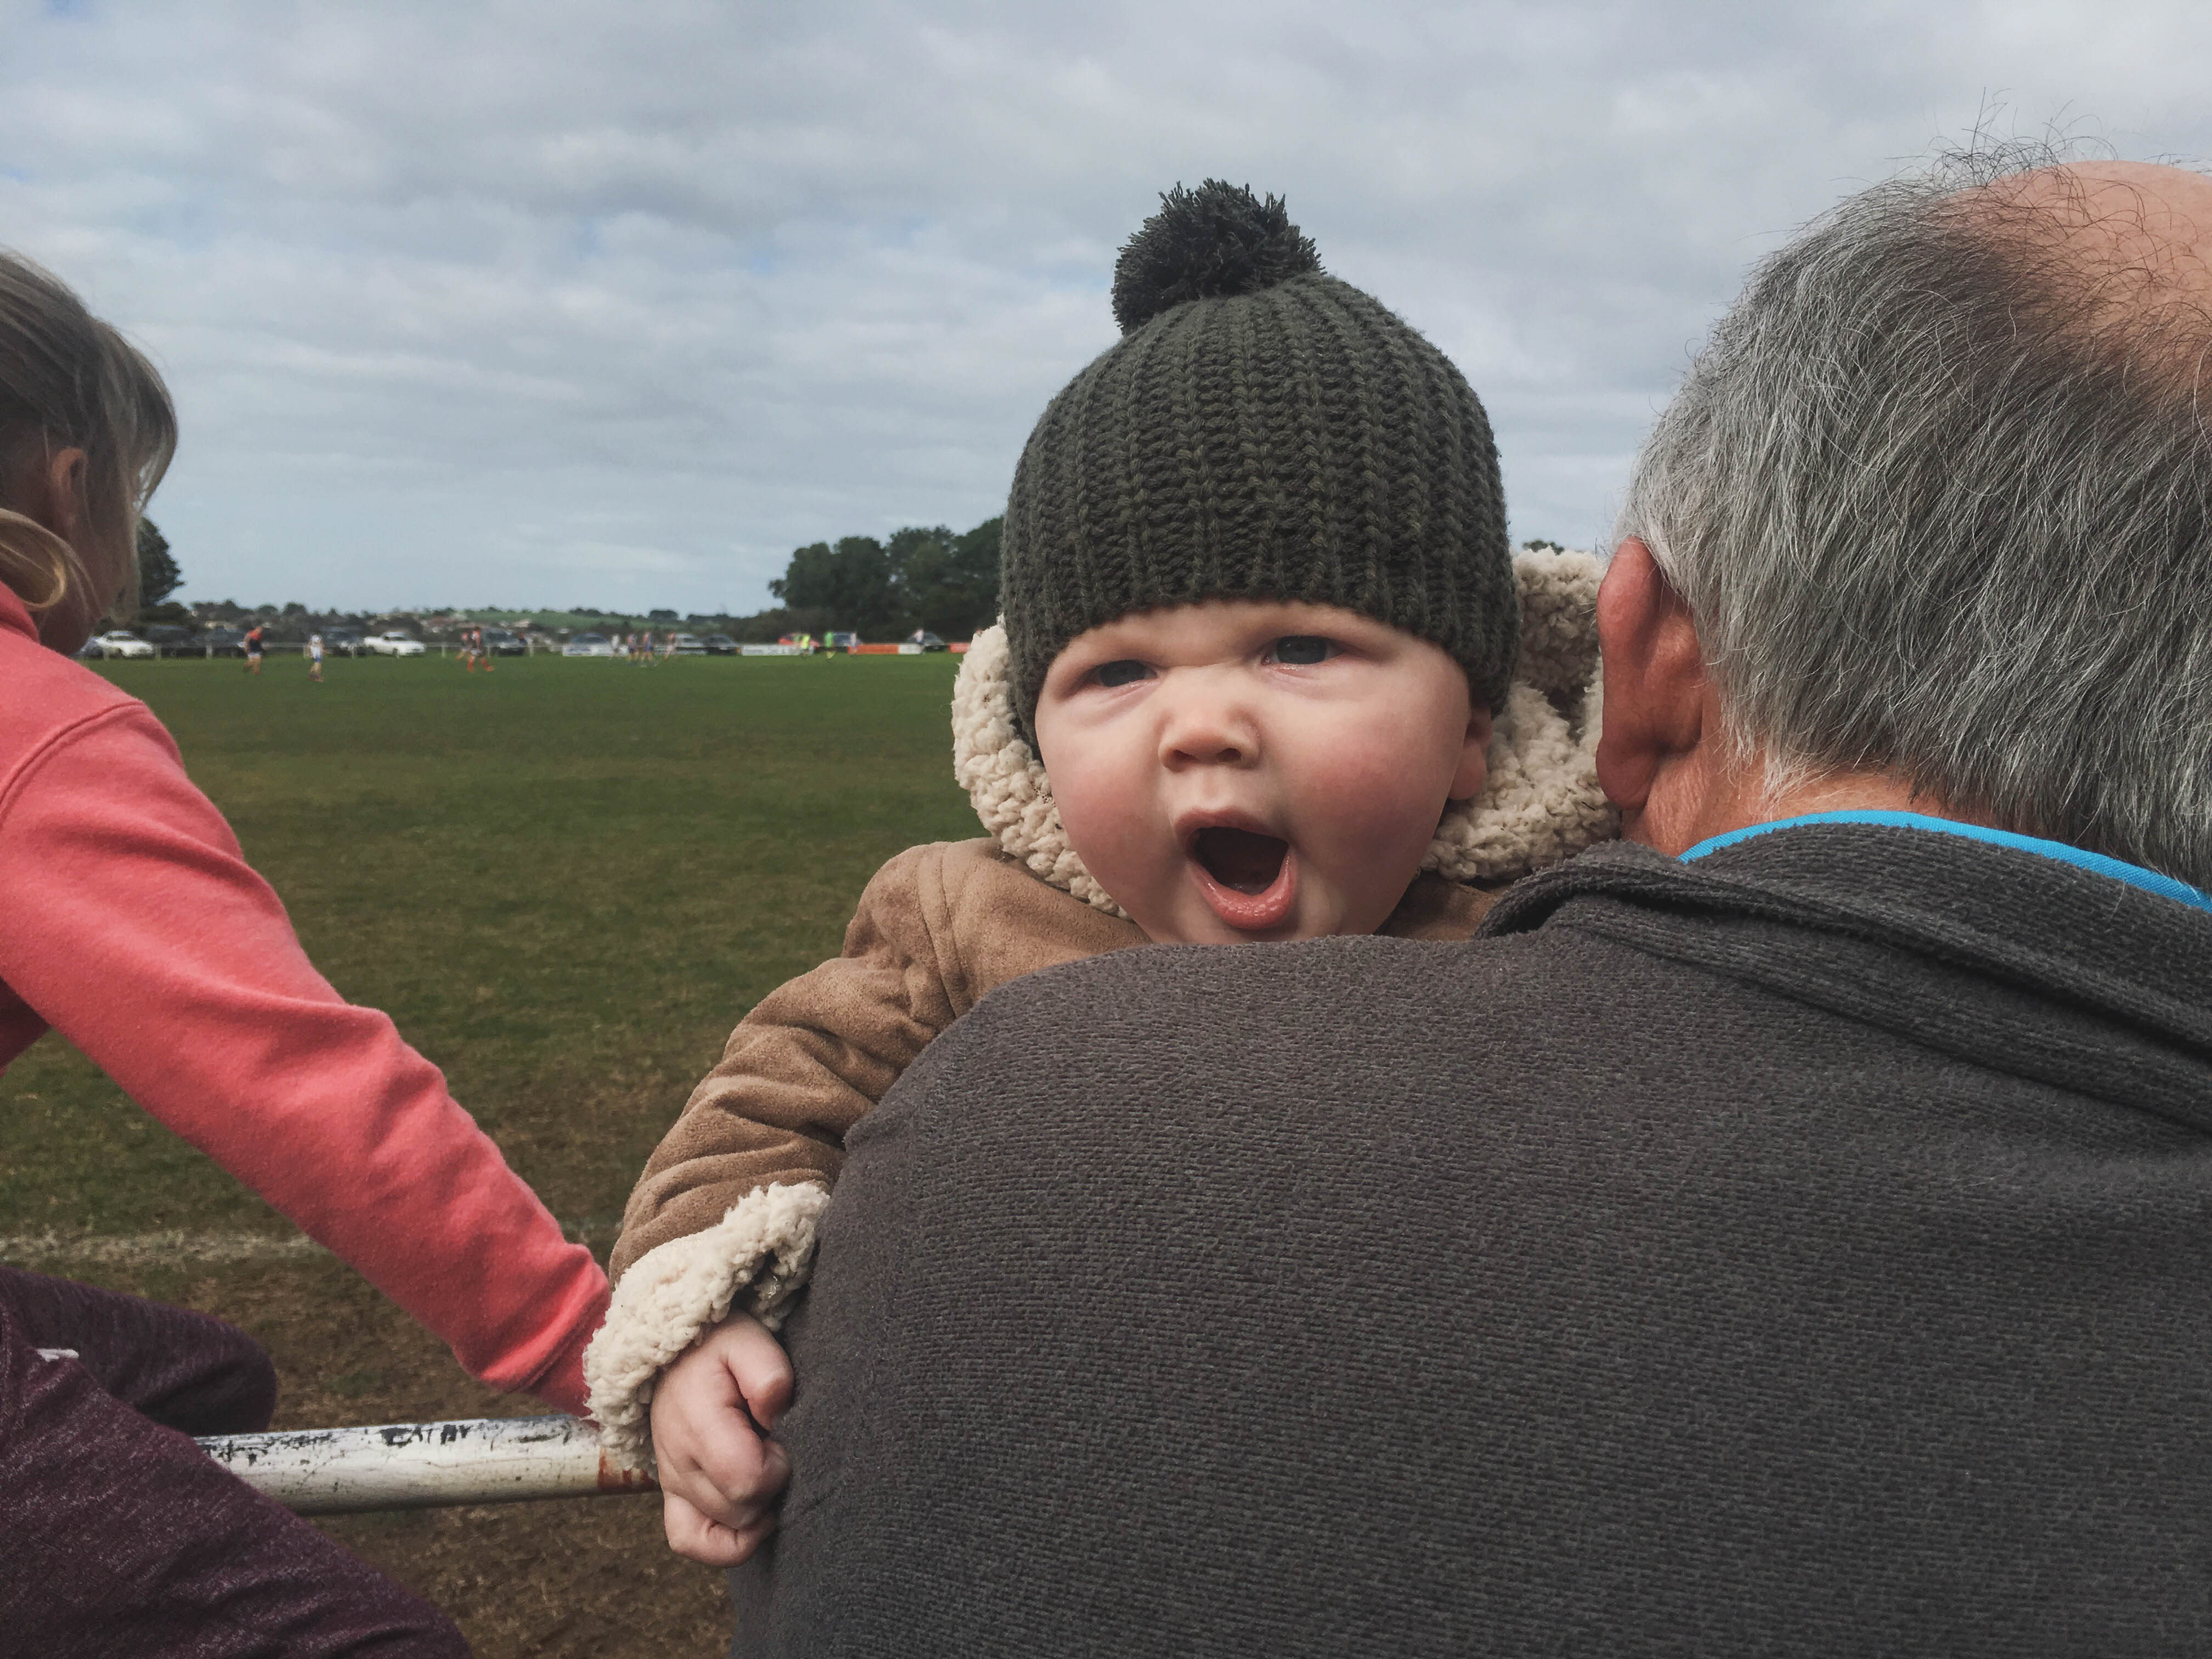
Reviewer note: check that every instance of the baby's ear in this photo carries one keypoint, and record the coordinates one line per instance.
(1559, 623)
(1474, 759)
(1005, 778)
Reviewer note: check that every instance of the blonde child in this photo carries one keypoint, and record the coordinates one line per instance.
(1267, 671)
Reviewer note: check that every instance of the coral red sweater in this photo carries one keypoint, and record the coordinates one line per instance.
(130, 923)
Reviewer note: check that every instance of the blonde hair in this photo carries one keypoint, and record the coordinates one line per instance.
(69, 382)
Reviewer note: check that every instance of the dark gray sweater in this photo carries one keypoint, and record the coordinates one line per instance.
(1806, 1249)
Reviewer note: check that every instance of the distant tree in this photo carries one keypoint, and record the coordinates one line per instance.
(767, 627)
(660, 616)
(158, 576)
(951, 581)
(854, 582)
(294, 608)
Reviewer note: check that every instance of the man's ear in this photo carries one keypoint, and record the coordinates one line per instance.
(1655, 681)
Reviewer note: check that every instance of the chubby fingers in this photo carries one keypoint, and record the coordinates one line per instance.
(696, 1537)
(729, 1471)
(707, 1436)
(758, 1366)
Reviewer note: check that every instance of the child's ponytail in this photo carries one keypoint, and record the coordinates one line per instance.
(39, 565)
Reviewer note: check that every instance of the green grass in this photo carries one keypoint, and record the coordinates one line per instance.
(565, 881)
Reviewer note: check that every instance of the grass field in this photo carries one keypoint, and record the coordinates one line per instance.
(565, 880)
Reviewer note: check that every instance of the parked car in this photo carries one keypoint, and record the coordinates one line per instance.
(926, 640)
(121, 642)
(172, 640)
(342, 641)
(841, 641)
(719, 644)
(504, 643)
(392, 644)
(588, 645)
(688, 645)
(223, 641)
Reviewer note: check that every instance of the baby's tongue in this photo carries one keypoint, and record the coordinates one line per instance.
(1241, 858)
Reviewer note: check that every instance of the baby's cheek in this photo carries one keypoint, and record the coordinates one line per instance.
(1106, 824)
(1379, 781)
(1378, 797)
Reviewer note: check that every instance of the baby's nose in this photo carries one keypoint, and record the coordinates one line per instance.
(1207, 732)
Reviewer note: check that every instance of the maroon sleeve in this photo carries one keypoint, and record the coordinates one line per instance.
(136, 928)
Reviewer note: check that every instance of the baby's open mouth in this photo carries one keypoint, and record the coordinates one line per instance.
(1250, 878)
(1240, 860)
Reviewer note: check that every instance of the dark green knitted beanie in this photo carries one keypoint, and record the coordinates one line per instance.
(1262, 431)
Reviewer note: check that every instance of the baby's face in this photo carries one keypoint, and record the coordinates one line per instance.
(1246, 770)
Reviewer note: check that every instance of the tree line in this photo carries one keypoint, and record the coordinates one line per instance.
(929, 577)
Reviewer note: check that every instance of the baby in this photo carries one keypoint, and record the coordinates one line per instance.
(1267, 671)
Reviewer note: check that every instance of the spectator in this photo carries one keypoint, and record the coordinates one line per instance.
(135, 927)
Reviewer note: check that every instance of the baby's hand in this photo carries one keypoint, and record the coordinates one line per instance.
(719, 1471)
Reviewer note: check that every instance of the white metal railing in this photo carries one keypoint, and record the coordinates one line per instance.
(413, 1466)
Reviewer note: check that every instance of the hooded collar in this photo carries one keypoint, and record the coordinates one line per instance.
(2006, 957)
(2151, 881)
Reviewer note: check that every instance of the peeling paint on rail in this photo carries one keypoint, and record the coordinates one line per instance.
(406, 1465)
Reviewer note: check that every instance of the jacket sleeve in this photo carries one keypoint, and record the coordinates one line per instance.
(725, 1210)
(135, 927)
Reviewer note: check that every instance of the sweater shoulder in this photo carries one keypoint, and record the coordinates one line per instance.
(46, 693)
(46, 699)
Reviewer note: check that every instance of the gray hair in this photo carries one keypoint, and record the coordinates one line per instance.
(1938, 495)
(69, 382)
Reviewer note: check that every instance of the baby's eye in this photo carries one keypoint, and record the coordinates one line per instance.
(1127, 671)
(1299, 650)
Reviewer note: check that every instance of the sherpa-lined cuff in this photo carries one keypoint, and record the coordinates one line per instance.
(676, 1293)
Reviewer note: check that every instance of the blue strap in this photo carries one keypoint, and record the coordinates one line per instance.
(2151, 881)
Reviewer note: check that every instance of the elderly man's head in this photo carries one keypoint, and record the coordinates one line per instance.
(1934, 516)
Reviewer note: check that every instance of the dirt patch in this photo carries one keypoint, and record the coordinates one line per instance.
(524, 1581)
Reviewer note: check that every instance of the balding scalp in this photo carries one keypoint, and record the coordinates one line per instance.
(1939, 495)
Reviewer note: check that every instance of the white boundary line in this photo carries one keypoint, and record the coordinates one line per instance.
(137, 1250)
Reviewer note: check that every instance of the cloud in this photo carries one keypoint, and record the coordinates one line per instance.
(477, 303)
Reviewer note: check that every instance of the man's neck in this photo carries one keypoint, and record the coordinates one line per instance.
(1694, 803)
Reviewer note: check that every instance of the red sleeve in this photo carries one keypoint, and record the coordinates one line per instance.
(136, 928)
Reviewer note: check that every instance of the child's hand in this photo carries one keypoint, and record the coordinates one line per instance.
(719, 1471)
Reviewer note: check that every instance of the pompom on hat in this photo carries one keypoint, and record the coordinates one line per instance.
(1262, 431)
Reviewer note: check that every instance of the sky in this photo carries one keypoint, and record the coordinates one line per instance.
(613, 304)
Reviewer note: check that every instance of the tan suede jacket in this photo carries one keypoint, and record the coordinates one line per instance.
(937, 927)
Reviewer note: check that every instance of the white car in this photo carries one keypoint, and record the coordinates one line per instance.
(588, 645)
(123, 643)
(394, 644)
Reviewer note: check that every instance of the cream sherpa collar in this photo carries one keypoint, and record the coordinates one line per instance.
(1542, 802)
